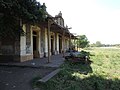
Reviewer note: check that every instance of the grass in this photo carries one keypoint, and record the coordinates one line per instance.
(102, 74)
(33, 82)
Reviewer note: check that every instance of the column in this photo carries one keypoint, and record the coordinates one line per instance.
(46, 44)
(55, 43)
(70, 43)
(48, 33)
(63, 37)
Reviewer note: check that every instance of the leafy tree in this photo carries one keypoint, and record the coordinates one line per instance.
(12, 11)
(93, 45)
(82, 41)
(98, 44)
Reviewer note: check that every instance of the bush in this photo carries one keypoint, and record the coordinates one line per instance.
(83, 54)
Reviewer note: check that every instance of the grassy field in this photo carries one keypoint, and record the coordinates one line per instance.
(102, 74)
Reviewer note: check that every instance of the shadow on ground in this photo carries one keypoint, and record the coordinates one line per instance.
(18, 78)
(77, 67)
(79, 77)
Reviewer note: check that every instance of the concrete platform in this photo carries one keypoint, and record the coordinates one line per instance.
(49, 76)
(56, 61)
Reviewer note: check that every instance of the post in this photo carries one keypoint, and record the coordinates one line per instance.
(64, 43)
(56, 43)
(48, 34)
(77, 45)
(74, 42)
(70, 43)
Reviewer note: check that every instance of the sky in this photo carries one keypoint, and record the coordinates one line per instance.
(99, 20)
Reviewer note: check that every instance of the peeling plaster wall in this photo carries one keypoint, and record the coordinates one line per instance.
(58, 43)
(46, 42)
(26, 53)
(23, 43)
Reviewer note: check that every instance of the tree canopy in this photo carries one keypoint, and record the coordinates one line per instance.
(82, 41)
(12, 11)
(97, 44)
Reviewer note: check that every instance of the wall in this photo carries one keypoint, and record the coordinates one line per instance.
(26, 52)
(46, 43)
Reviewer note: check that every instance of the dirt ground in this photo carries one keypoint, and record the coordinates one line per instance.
(19, 78)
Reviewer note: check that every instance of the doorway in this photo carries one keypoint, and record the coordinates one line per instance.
(60, 44)
(52, 45)
(35, 45)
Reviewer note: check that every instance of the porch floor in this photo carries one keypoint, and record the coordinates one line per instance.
(55, 62)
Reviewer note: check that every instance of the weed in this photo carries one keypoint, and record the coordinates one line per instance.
(102, 74)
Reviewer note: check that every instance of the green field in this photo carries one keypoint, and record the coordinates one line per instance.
(102, 74)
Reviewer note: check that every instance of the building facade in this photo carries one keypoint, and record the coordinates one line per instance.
(34, 44)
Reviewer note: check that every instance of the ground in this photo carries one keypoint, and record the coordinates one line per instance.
(102, 74)
(19, 78)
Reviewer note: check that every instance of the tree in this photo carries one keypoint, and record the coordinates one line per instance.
(12, 11)
(82, 41)
(98, 44)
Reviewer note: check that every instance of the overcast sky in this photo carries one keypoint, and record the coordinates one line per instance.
(99, 20)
